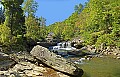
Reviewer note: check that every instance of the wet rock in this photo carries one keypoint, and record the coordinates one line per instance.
(106, 53)
(12, 75)
(84, 48)
(118, 57)
(115, 54)
(110, 53)
(51, 60)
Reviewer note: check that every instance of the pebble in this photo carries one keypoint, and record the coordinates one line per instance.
(12, 75)
(118, 57)
(88, 58)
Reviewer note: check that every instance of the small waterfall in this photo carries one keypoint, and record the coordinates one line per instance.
(68, 45)
(64, 45)
(59, 44)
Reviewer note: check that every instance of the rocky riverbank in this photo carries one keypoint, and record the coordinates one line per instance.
(101, 50)
(114, 51)
(24, 64)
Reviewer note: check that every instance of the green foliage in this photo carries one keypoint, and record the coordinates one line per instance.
(97, 23)
(13, 25)
(36, 27)
(30, 7)
(65, 30)
(57, 29)
(14, 16)
(107, 39)
(4, 34)
(35, 30)
(101, 22)
(16, 28)
(8, 41)
(68, 32)
(19, 43)
(90, 39)
(79, 8)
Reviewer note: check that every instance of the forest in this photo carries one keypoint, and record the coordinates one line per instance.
(19, 24)
(96, 22)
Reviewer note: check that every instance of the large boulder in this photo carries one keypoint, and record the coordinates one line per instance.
(25, 66)
(55, 61)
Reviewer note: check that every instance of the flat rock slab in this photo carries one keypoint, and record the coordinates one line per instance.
(55, 61)
(5, 61)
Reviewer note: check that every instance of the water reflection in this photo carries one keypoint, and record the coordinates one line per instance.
(86, 74)
(101, 67)
(116, 73)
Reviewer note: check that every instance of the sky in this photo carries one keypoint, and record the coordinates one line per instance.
(56, 10)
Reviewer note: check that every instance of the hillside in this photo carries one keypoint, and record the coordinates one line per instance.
(99, 22)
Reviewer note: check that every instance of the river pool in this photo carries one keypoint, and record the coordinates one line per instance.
(101, 67)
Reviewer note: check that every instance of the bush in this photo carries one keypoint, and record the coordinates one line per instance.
(107, 39)
(4, 35)
(90, 39)
(9, 41)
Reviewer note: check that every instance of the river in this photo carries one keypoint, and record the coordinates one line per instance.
(105, 66)
(101, 67)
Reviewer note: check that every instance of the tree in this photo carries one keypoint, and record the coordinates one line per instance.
(42, 21)
(30, 7)
(14, 16)
(14, 22)
(42, 26)
(32, 28)
(4, 35)
(98, 20)
(37, 29)
(78, 8)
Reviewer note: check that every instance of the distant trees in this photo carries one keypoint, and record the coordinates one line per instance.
(101, 23)
(97, 23)
(67, 29)
(78, 8)
(42, 25)
(35, 29)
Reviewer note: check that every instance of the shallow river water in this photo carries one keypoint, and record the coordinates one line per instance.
(101, 67)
